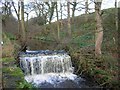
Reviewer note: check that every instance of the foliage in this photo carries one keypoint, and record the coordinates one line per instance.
(16, 72)
(24, 85)
(103, 69)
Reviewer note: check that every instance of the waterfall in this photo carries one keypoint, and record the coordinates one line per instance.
(46, 66)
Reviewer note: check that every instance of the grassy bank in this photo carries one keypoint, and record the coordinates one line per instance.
(12, 75)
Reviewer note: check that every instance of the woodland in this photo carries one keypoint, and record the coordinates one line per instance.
(91, 38)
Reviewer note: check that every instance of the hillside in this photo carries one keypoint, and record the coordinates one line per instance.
(82, 31)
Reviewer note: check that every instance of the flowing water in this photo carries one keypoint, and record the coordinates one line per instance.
(47, 69)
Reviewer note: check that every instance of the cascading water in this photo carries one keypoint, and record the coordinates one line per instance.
(46, 66)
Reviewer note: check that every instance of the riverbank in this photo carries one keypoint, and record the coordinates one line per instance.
(97, 72)
(13, 77)
(102, 70)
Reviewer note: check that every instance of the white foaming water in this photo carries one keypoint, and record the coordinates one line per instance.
(40, 68)
(52, 78)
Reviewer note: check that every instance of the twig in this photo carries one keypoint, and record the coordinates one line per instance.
(104, 83)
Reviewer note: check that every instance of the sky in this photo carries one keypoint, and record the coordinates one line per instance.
(105, 4)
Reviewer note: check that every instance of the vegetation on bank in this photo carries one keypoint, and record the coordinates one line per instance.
(13, 76)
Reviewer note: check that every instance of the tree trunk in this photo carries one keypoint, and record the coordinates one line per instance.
(23, 37)
(74, 7)
(69, 25)
(21, 29)
(18, 16)
(74, 4)
(116, 15)
(86, 10)
(99, 28)
(61, 25)
(58, 28)
(51, 10)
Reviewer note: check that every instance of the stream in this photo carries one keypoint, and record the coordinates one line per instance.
(50, 69)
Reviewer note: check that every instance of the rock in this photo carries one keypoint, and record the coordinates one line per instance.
(46, 85)
(67, 84)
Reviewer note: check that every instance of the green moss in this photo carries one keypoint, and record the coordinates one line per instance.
(17, 72)
(13, 71)
(22, 84)
(8, 59)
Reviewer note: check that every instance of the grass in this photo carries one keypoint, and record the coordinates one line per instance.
(15, 73)
(6, 59)
(22, 84)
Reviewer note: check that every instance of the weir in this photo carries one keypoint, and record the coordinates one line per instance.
(46, 66)
(42, 62)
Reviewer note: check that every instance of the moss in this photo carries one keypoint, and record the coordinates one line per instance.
(13, 71)
(24, 85)
(8, 59)
(17, 72)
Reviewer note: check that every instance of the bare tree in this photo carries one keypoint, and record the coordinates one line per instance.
(40, 10)
(6, 8)
(61, 12)
(23, 36)
(74, 4)
(44, 10)
(18, 16)
(86, 10)
(116, 15)
(58, 27)
(21, 28)
(99, 28)
(51, 7)
(69, 22)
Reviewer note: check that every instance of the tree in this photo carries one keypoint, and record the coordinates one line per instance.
(21, 28)
(44, 10)
(61, 12)
(86, 9)
(23, 36)
(6, 8)
(116, 15)
(51, 8)
(40, 10)
(74, 4)
(99, 28)
(69, 23)
(18, 16)
(58, 27)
